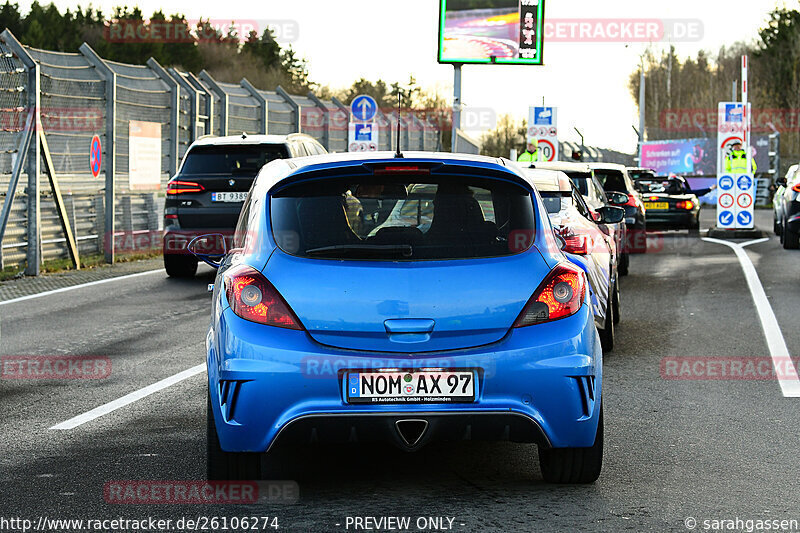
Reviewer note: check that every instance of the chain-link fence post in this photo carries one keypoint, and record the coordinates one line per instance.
(15, 99)
(326, 124)
(34, 250)
(174, 114)
(295, 107)
(263, 116)
(223, 100)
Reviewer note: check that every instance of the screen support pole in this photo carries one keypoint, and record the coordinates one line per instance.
(456, 107)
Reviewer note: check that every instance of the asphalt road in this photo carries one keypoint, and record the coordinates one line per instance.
(706, 449)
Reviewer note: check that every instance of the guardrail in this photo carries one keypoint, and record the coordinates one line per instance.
(54, 103)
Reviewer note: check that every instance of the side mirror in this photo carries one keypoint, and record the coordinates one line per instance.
(617, 198)
(208, 247)
(611, 215)
(781, 182)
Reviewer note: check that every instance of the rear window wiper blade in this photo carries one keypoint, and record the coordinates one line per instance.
(404, 250)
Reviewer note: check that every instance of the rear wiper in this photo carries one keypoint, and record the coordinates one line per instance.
(403, 250)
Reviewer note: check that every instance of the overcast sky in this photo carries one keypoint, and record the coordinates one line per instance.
(588, 81)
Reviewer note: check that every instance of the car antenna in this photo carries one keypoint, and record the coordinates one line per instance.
(398, 153)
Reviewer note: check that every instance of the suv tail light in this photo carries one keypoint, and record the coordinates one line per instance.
(254, 298)
(687, 204)
(631, 200)
(560, 295)
(796, 187)
(181, 187)
(574, 243)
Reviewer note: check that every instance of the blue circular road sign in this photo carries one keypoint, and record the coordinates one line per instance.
(744, 218)
(726, 183)
(744, 182)
(725, 219)
(364, 107)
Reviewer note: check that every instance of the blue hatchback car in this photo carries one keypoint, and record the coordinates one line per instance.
(371, 297)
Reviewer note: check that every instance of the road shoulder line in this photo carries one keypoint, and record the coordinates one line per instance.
(128, 399)
(781, 359)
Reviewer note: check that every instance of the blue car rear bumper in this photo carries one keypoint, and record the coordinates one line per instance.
(540, 383)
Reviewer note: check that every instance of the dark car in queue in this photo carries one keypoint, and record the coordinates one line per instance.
(670, 203)
(587, 243)
(207, 193)
(615, 178)
(789, 201)
(596, 197)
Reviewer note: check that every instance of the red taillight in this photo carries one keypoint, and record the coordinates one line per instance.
(181, 187)
(254, 298)
(560, 295)
(654, 198)
(401, 169)
(171, 217)
(631, 201)
(688, 204)
(796, 188)
(575, 243)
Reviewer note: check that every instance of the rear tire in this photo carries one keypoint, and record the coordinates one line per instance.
(776, 227)
(607, 333)
(222, 465)
(180, 266)
(574, 465)
(616, 303)
(789, 238)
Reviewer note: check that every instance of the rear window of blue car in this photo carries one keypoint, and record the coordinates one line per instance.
(405, 218)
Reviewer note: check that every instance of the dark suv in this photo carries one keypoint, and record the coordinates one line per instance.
(207, 193)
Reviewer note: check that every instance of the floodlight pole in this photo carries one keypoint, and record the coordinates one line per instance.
(583, 148)
(641, 101)
(456, 106)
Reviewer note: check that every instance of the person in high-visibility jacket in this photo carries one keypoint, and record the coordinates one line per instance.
(737, 160)
(532, 153)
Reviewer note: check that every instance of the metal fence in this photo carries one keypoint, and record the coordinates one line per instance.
(73, 97)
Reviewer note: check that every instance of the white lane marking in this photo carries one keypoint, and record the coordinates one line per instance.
(784, 367)
(89, 284)
(128, 399)
(757, 241)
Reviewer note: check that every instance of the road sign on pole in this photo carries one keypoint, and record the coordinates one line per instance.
(95, 156)
(736, 189)
(363, 108)
(543, 126)
(363, 129)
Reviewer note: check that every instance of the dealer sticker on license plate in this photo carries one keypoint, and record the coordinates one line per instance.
(419, 386)
(656, 205)
(228, 196)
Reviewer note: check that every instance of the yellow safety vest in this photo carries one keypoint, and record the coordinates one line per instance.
(526, 156)
(737, 162)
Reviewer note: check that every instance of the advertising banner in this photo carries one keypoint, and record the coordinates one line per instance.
(144, 155)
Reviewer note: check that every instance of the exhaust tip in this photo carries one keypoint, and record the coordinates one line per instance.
(411, 430)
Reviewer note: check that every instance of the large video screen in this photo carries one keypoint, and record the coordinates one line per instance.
(508, 32)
